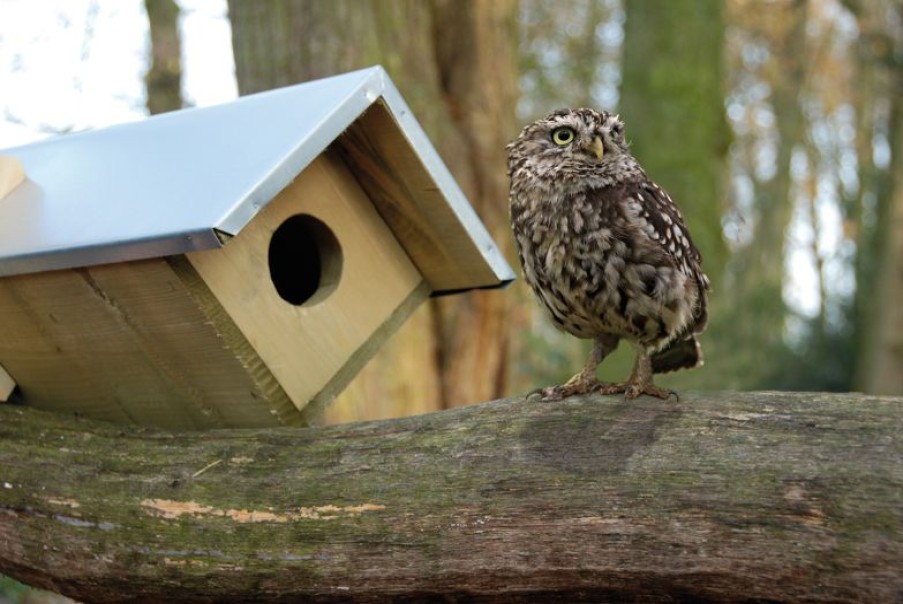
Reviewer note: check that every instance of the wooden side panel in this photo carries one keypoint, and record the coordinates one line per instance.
(314, 349)
(125, 342)
(406, 196)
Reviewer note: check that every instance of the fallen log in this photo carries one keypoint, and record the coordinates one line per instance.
(717, 497)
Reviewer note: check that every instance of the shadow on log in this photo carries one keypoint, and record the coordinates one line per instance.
(718, 497)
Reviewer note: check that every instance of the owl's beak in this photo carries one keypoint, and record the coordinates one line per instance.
(596, 147)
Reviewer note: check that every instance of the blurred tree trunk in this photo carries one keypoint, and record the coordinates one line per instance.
(883, 369)
(455, 64)
(745, 340)
(164, 78)
(672, 100)
(876, 209)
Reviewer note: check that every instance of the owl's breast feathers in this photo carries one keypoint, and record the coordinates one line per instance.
(613, 259)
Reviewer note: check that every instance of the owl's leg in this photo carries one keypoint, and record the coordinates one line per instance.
(585, 380)
(639, 382)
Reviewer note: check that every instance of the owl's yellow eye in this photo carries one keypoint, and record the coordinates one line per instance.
(563, 136)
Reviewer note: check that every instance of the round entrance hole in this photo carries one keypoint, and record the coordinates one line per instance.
(305, 260)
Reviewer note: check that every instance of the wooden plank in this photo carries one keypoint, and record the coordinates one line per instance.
(307, 346)
(7, 385)
(195, 348)
(125, 342)
(407, 197)
(41, 317)
(11, 174)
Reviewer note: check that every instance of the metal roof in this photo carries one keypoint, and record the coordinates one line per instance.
(168, 184)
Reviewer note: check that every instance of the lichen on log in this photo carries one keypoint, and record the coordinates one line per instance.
(718, 496)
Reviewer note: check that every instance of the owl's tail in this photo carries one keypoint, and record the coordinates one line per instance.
(684, 353)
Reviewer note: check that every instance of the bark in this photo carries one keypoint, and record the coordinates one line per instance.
(164, 78)
(720, 497)
(455, 65)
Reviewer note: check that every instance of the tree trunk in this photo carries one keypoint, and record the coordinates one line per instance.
(164, 78)
(869, 207)
(722, 497)
(673, 94)
(672, 100)
(455, 65)
(882, 374)
(476, 52)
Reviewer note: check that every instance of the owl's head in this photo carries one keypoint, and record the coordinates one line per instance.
(570, 142)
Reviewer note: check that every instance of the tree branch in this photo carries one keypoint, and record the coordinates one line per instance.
(727, 497)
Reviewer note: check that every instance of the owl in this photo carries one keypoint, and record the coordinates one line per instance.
(605, 250)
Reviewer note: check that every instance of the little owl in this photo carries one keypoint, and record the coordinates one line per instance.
(605, 249)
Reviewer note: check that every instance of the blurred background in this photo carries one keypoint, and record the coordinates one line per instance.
(776, 125)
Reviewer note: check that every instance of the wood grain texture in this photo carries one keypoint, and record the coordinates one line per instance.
(129, 342)
(721, 497)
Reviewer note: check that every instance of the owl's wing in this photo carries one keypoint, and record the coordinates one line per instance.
(665, 224)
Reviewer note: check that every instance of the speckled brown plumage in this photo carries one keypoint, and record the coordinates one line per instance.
(605, 249)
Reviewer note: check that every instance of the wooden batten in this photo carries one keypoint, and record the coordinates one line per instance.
(315, 348)
(7, 385)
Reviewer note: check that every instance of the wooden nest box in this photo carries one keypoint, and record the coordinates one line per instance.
(231, 266)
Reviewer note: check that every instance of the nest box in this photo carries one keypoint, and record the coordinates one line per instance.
(230, 266)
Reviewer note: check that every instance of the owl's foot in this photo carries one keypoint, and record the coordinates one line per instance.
(585, 381)
(632, 390)
(639, 382)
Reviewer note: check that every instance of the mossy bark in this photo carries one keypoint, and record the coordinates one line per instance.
(716, 497)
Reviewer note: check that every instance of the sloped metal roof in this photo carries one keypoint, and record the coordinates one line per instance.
(168, 184)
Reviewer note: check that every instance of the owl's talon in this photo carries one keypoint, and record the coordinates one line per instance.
(549, 394)
(553, 394)
(576, 385)
(534, 394)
